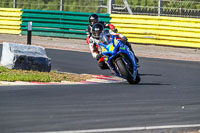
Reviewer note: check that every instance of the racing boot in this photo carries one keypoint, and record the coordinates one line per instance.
(101, 62)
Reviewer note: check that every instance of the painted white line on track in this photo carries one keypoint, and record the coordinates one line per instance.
(125, 129)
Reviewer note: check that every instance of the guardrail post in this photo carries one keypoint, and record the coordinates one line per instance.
(29, 33)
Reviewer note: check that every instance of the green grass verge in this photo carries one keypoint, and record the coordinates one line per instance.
(23, 75)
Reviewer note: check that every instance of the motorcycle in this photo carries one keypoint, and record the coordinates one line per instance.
(119, 58)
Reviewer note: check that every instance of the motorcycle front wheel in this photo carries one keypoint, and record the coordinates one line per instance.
(124, 71)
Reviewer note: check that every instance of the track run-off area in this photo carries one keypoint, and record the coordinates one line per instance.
(166, 100)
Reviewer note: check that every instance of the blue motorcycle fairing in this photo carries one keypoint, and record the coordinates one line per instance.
(117, 48)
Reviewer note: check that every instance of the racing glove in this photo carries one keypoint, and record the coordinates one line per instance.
(124, 40)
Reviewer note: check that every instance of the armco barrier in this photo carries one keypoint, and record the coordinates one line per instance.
(10, 20)
(58, 23)
(172, 31)
(160, 30)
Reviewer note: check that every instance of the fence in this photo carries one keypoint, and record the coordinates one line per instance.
(171, 31)
(178, 8)
(93, 6)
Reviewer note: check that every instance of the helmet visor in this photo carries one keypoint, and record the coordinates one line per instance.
(93, 21)
(96, 34)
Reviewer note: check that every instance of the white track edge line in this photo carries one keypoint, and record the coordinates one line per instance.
(124, 129)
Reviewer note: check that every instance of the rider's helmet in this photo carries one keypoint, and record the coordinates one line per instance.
(112, 28)
(93, 18)
(96, 30)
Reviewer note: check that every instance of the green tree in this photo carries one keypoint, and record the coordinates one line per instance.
(51, 5)
(6, 3)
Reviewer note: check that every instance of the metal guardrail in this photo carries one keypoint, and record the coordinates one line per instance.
(160, 30)
(45, 23)
(10, 20)
(57, 23)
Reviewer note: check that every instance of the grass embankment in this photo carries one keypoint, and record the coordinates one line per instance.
(23, 75)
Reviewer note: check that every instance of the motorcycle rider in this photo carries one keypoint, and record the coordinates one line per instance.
(93, 19)
(97, 29)
(93, 40)
(93, 45)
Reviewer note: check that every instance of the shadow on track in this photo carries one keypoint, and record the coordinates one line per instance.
(153, 84)
(150, 75)
(154, 75)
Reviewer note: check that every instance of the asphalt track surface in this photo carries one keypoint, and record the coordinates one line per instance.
(169, 94)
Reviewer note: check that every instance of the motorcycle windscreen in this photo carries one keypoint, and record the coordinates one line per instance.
(105, 39)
